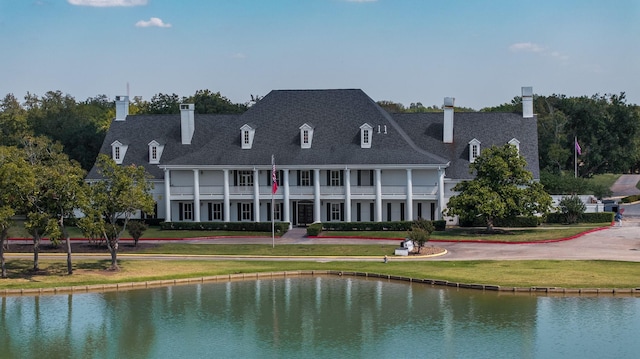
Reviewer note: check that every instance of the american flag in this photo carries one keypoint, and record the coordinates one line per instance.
(578, 149)
(274, 178)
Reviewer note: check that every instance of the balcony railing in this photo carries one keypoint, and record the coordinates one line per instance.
(304, 190)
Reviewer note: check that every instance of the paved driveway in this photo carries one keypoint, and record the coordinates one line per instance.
(613, 243)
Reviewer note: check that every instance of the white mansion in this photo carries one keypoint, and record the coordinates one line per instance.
(339, 157)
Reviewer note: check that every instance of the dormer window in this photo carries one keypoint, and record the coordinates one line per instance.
(306, 135)
(246, 136)
(514, 142)
(474, 150)
(118, 151)
(155, 152)
(365, 135)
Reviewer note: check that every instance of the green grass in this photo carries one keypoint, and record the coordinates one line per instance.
(605, 180)
(545, 273)
(546, 232)
(279, 250)
(18, 231)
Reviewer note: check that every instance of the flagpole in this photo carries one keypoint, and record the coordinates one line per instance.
(273, 223)
(575, 156)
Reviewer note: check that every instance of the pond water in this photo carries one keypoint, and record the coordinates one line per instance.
(317, 317)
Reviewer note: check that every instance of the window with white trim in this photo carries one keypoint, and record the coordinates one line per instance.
(245, 178)
(277, 212)
(305, 178)
(155, 152)
(118, 151)
(247, 133)
(335, 178)
(365, 135)
(247, 211)
(215, 211)
(474, 150)
(306, 135)
(336, 211)
(187, 211)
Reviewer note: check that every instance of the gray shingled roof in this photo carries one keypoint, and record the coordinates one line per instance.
(490, 128)
(412, 139)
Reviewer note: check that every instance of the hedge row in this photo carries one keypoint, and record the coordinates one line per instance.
(280, 227)
(522, 221)
(599, 217)
(316, 228)
(629, 199)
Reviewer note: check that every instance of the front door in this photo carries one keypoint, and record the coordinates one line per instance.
(305, 213)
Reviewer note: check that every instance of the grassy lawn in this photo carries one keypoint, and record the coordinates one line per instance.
(372, 249)
(18, 231)
(605, 180)
(568, 274)
(546, 232)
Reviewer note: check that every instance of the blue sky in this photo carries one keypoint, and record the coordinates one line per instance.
(480, 52)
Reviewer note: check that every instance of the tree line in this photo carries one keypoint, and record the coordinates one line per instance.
(605, 126)
(80, 126)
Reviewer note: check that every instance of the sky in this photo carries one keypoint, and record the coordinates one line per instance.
(407, 51)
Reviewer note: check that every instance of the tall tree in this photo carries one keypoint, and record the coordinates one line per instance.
(208, 102)
(59, 189)
(502, 188)
(62, 119)
(13, 121)
(163, 104)
(122, 192)
(17, 179)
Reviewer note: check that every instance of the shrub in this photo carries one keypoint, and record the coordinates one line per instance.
(572, 207)
(520, 221)
(419, 236)
(440, 225)
(314, 229)
(280, 227)
(629, 199)
(136, 229)
(600, 217)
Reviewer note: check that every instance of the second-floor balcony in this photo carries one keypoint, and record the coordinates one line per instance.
(187, 192)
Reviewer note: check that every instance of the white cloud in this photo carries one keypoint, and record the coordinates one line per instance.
(538, 49)
(107, 3)
(526, 47)
(153, 22)
(239, 55)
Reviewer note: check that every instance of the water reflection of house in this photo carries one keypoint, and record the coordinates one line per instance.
(339, 157)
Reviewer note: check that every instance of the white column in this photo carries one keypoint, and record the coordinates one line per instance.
(256, 195)
(378, 217)
(285, 198)
(167, 195)
(440, 193)
(409, 216)
(196, 195)
(226, 201)
(316, 201)
(347, 195)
